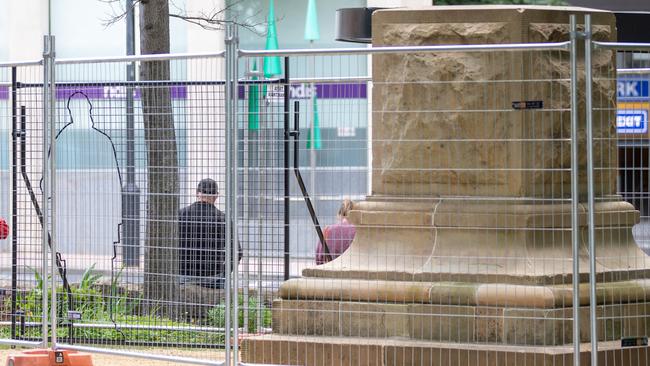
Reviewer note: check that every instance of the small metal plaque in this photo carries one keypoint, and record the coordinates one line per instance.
(528, 104)
(634, 341)
(74, 315)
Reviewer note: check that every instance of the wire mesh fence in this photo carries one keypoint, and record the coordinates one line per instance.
(149, 244)
(137, 263)
(623, 110)
(22, 145)
(320, 120)
(434, 251)
(486, 206)
(398, 204)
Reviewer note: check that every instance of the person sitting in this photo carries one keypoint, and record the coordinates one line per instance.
(338, 236)
(202, 234)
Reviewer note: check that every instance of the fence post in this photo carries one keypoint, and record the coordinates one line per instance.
(287, 187)
(234, 186)
(14, 200)
(575, 228)
(52, 161)
(47, 174)
(228, 92)
(130, 191)
(590, 193)
(231, 59)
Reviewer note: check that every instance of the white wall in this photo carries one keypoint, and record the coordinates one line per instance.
(80, 29)
(23, 30)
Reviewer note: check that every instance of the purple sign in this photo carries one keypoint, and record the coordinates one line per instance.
(296, 91)
(101, 92)
(79, 92)
(323, 91)
(341, 91)
(111, 92)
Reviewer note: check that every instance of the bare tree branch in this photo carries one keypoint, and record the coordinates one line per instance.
(214, 19)
(116, 15)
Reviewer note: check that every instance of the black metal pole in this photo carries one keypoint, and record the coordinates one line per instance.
(296, 169)
(14, 201)
(60, 264)
(130, 76)
(130, 191)
(287, 201)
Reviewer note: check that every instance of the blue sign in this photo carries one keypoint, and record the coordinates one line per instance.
(632, 121)
(628, 89)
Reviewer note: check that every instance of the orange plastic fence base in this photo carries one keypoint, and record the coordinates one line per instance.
(48, 357)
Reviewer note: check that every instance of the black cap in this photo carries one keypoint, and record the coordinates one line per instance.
(208, 186)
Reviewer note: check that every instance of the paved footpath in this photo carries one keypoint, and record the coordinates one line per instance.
(110, 360)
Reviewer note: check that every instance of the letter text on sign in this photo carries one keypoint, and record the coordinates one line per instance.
(631, 89)
(632, 118)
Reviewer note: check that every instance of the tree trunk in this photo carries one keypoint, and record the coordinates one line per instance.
(161, 264)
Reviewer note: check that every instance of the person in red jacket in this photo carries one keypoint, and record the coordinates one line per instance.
(4, 229)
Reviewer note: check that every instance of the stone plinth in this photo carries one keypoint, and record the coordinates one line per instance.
(326, 351)
(514, 243)
(443, 123)
(466, 238)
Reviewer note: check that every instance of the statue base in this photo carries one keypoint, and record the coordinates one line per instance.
(483, 272)
(322, 351)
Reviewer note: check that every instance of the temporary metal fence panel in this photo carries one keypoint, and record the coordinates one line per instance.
(97, 169)
(129, 268)
(440, 153)
(620, 105)
(22, 204)
(301, 138)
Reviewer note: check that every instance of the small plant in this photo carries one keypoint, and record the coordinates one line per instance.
(114, 309)
(119, 302)
(87, 299)
(217, 315)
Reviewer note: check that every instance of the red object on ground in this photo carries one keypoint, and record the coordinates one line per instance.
(49, 357)
(4, 229)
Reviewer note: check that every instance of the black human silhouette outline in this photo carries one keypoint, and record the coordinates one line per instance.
(119, 177)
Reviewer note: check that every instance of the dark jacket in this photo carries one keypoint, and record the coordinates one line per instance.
(202, 233)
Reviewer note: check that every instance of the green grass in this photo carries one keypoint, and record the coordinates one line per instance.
(124, 310)
(217, 316)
